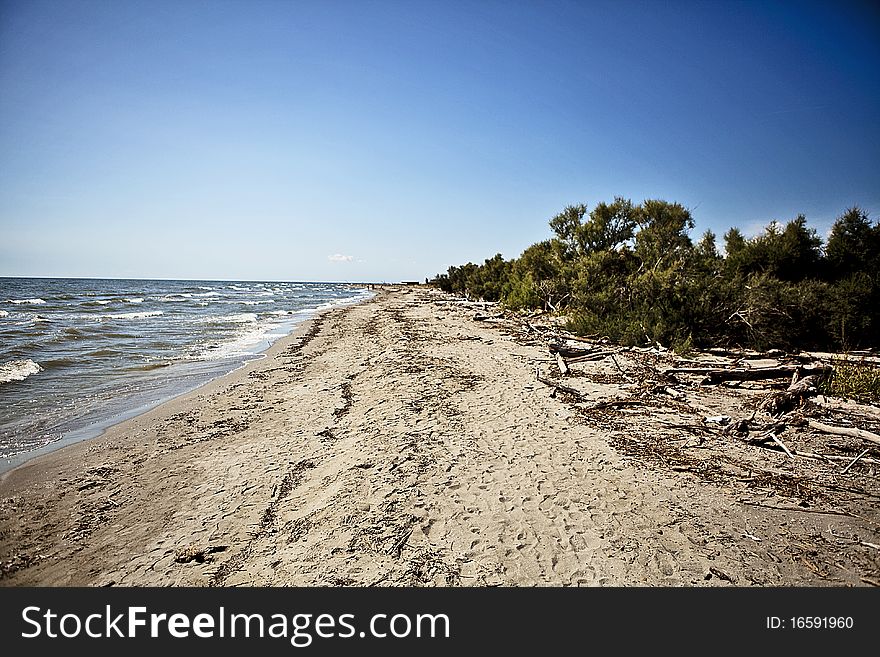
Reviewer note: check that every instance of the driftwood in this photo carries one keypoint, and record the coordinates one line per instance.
(853, 462)
(569, 352)
(577, 338)
(557, 387)
(827, 512)
(847, 406)
(715, 376)
(627, 376)
(844, 431)
(833, 457)
(563, 366)
(770, 436)
(746, 354)
(597, 355)
(777, 403)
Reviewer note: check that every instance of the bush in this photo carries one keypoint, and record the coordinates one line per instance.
(632, 273)
(854, 379)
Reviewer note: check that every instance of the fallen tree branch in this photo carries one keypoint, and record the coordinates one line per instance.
(844, 431)
(577, 394)
(853, 462)
(777, 403)
(563, 366)
(833, 457)
(599, 355)
(715, 376)
(829, 512)
(776, 440)
(620, 369)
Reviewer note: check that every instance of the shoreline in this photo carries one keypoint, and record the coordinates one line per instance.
(97, 429)
(399, 442)
(163, 408)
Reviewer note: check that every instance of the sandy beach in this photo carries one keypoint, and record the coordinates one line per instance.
(400, 442)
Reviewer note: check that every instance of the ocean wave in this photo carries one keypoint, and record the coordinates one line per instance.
(60, 362)
(148, 367)
(107, 351)
(208, 294)
(256, 303)
(4, 313)
(18, 370)
(152, 313)
(245, 344)
(176, 298)
(239, 317)
(34, 302)
(134, 300)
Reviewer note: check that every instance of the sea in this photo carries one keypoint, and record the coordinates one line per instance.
(78, 355)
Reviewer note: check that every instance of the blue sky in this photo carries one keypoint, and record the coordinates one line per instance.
(388, 140)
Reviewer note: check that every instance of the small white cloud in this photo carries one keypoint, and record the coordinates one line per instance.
(338, 257)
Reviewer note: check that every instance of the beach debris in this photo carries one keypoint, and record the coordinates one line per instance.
(198, 554)
(844, 431)
(558, 387)
(853, 462)
(720, 574)
(563, 366)
(714, 376)
(777, 403)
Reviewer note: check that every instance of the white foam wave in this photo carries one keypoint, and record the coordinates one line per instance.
(240, 317)
(256, 303)
(152, 313)
(176, 297)
(208, 294)
(134, 300)
(244, 344)
(35, 302)
(259, 335)
(18, 370)
(4, 313)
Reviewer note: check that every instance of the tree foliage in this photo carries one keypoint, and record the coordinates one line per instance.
(632, 273)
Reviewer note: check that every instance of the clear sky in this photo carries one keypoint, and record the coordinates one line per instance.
(334, 140)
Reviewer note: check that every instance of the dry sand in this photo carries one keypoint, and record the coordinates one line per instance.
(400, 442)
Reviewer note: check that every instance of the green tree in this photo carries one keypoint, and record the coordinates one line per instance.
(854, 245)
(663, 233)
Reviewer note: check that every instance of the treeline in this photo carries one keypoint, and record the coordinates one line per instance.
(632, 273)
